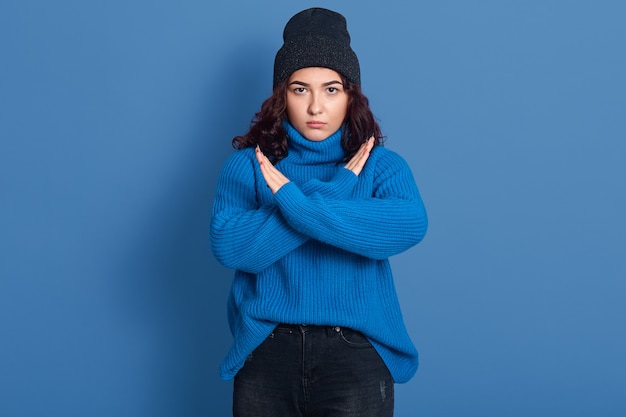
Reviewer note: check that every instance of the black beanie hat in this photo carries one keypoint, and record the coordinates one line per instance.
(316, 37)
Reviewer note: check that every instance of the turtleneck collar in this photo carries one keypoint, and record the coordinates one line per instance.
(304, 151)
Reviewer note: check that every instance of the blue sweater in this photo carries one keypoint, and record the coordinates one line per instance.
(316, 252)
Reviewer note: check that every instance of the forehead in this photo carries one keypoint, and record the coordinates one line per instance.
(315, 75)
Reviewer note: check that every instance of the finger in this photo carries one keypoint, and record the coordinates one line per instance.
(366, 147)
(273, 177)
(258, 154)
(358, 161)
(359, 153)
(264, 162)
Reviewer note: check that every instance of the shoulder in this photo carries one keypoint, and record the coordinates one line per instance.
(385, 159)
(240, 161)
(241, 157)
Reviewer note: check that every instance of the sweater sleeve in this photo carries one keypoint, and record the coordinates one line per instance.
(246, 234)
(339, 187)
(388, 222)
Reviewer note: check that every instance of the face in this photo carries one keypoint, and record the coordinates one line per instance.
(317, 103)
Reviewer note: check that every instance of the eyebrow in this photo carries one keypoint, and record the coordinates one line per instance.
(323, 85)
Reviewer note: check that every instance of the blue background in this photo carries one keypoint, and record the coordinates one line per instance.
(115, 118)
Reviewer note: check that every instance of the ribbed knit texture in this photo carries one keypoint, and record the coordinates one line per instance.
(316, 252)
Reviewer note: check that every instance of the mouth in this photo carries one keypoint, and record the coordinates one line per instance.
(315, 124)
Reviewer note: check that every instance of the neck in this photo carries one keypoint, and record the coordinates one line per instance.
(305, 151)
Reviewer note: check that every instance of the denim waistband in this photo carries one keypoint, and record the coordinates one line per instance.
(302, 327)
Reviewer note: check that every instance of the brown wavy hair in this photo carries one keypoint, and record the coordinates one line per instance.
(266, 128)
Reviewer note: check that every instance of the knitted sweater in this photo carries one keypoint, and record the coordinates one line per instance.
(316, 252)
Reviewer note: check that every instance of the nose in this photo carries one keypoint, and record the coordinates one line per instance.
(315, 106)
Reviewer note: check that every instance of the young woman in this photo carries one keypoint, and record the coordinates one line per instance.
(308, 211)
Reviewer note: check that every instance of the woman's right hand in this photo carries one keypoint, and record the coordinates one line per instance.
(273, 177)
(357, 162)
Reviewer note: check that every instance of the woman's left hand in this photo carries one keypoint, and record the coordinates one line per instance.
(273, 177)
(358, 161)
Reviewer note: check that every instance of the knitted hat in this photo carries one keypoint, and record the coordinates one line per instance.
(316, 37)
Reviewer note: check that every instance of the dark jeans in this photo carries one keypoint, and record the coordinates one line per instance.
(313, 371)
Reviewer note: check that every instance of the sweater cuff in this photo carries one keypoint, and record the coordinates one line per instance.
(344, 182)
(291, 201)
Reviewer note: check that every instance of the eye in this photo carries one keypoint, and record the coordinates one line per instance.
(299, 90)
(332, 90)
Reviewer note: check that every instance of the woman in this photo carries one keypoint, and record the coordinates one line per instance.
(308, 211)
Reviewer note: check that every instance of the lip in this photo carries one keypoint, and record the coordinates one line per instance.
(315, 124)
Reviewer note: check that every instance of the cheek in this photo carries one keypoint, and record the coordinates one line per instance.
(289, 112)
(342, 111)
(293, 108)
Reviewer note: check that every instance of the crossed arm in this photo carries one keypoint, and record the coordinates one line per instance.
(275, 179)
(376, 227)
